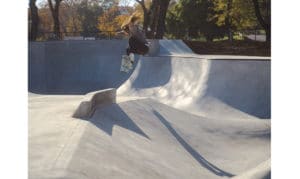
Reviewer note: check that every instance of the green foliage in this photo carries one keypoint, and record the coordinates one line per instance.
(174, 23)
(191, 17)
(241, 15)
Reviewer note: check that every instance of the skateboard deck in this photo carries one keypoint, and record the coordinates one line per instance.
(127, 63)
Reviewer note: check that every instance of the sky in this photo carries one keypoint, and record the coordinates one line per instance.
(129, 2)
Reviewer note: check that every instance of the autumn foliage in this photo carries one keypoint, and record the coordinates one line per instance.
(111, 20)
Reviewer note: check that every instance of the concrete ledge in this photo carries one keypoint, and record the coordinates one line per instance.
(93, 100)
(154, 47)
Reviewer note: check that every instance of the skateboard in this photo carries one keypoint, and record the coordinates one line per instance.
(127, 62)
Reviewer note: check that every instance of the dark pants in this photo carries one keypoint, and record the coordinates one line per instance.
(137, 47)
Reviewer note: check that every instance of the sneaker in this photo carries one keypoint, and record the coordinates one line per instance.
(131, 57)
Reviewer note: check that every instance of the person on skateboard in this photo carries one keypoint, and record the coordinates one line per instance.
(137, 42)
(137, 39)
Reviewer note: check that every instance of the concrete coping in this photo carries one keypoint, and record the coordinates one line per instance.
(154, 47)
(94, 100)
(220, 57)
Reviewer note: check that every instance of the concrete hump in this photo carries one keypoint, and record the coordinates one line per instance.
(94, 100)
(176, 115)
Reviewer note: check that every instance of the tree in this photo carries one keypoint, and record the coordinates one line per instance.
(55, 15)
(193, 18)
(265, 23)
(154, 17)
(145, 13)
(233, 15)
(228, 20)
(45, 19)
(70, 18)
(112, 19)
(160, 29)
(34, 20)
(88, 14)
(174, 23)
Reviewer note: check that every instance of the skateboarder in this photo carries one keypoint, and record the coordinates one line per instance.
(137, 42)
(137, 39)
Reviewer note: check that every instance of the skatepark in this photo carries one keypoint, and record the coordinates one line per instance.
(177, 114)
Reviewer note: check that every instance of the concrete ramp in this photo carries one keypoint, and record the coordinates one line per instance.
(173, 47)
(176, 116)
(226, 88)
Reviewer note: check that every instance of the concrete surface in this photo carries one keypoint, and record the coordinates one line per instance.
(212, 88)
(261, 38)
(176, 116)
(95, 100)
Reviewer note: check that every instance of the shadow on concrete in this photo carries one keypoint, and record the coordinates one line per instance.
(201, 160)
(244, 87)
(268, 176)
(113, 115)
(265, 134)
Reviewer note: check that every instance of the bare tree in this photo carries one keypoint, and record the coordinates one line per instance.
(55, 15)
(34, 20)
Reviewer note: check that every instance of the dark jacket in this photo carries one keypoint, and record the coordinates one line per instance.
(136, 32)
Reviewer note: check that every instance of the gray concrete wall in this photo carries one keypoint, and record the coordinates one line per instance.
(36, 67)
(75, 67)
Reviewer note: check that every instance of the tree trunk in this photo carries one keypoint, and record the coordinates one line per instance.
(146, 20)
(34, 20)
(228, 20)
(262, 22)
(56, 21)
(55, 15)
(145, 12)
(154, 10)
(160, 30)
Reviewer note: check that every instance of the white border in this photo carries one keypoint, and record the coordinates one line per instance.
(13, 78)
(285, 89)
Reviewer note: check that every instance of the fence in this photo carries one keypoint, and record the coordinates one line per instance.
(253, 34)
(48, 36)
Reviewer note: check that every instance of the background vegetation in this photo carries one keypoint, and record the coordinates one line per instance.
(191, 20)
